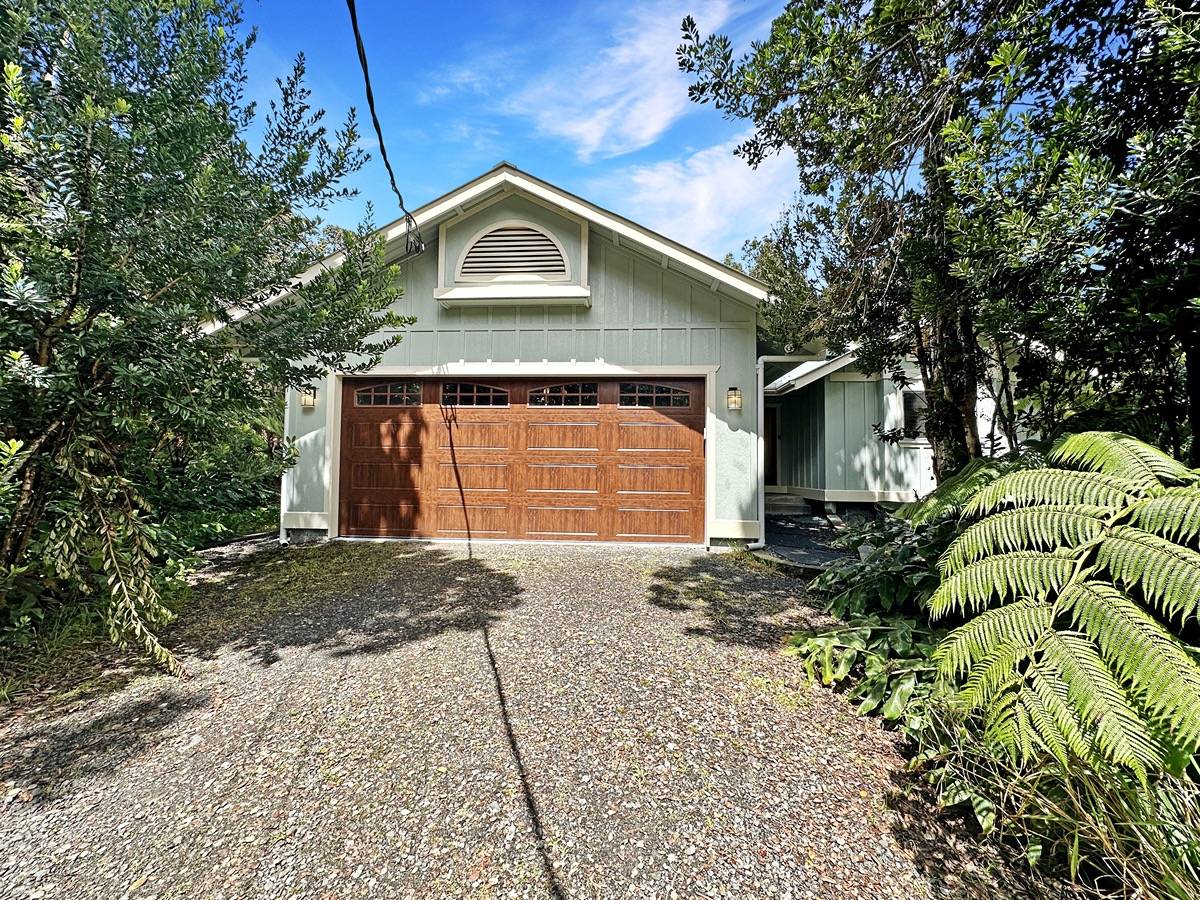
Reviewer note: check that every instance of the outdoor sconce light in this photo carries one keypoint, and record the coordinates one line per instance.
(733, 398)
(308, 398)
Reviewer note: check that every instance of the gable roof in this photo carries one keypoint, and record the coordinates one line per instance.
(505, 177)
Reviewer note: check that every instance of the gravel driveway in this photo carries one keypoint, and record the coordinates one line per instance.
(400, 720)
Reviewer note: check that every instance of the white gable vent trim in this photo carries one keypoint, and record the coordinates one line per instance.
(513, 251)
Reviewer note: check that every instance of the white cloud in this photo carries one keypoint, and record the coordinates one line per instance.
(630, 91)
(711, 200)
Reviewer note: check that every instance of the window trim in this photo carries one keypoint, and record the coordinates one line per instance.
(593, 393)
(921, 438)
(388, 384)
(514, 277)
(675, 392)
(442, 396)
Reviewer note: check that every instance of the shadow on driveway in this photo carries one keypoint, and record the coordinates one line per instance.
(737, 599)
(340, 598)
(344, 598)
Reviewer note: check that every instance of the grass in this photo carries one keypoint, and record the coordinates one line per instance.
(71, 658)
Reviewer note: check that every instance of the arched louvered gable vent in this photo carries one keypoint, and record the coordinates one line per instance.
(514, 250)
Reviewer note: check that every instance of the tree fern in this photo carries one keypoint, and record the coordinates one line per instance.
(1016, 624)
(1004, 577)
(1122, 456)
(1075, 585)
(1060, 487)
(948, 499)
(1120, 731)
(1154, 663)
(1025, 528)
(1167, 573)
(1174, 514)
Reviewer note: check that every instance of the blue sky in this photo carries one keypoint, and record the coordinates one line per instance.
(586, 96)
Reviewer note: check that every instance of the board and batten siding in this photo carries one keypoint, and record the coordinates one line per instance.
(830, 448)
(641, 314)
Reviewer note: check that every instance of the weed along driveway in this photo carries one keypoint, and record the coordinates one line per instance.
(402, 720)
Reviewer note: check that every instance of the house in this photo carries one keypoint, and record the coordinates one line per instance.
(571, 376)
(820, 438)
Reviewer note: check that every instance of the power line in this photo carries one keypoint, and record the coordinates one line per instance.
(413, 242)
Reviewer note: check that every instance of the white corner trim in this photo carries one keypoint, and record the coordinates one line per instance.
(734, 528)
(333, 451)
(315, 520)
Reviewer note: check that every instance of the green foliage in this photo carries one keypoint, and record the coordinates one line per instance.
(1080, 658)
(888, 659)
(955, 490)
(135, 218)
(885, 648)
(1126, 837)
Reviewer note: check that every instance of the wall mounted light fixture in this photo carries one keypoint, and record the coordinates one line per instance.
(733, 398)
(308, 398)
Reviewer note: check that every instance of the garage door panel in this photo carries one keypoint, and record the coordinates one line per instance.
(561, 477)
(387, 435)
(574, 522)
(476, 519)
(545, 472)
(657, 437)
(562, 436)
(633, 523)
(395, 516)
(462, 435)
(386, 476)
(468, 476)
(638, 478)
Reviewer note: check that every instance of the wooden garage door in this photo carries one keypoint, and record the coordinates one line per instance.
(589, 460)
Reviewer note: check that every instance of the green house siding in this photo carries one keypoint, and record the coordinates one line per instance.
(830, 450)
(802, 432)
(641, 314)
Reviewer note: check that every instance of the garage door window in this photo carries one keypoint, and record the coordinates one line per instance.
(634, 393)
(398, 393)
(579, 393)
(462, 393)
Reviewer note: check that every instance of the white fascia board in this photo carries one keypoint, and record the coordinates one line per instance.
(806, 374)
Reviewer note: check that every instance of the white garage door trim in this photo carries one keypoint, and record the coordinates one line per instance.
(333, 417)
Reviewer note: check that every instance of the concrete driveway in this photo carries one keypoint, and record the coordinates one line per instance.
(402, 720)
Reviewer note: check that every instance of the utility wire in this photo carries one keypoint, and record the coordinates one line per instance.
(413, 242)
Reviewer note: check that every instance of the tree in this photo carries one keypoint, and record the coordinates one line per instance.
(1007, 190)
(136, 216)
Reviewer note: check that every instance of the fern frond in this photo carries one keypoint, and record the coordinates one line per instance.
(1175, 514)
(1024, 528)
(948, 498)
(1119, 454)
(994, 674)
(1059, 487)
(1054, 718)
(1156, 665)
(1003, 577)
(1012, 625)
(1121, 734)
(1167, 573)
